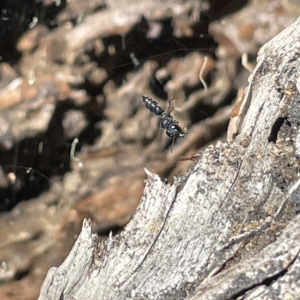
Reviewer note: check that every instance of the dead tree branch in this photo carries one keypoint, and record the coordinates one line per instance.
(232, 230)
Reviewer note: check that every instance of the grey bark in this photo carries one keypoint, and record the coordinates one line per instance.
(229, 228)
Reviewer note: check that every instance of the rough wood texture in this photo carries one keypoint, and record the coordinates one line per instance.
(232, 230)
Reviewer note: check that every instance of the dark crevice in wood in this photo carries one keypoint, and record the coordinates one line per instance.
(114, 230)
(275, 129)
(267, 282)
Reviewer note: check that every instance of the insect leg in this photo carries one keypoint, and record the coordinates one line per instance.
(169, 110)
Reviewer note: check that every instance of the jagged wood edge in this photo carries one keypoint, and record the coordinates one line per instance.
(178, 240)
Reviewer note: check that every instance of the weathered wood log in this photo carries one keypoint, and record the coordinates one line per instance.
(232, 230)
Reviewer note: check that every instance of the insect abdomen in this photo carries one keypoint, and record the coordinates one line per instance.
(152, 106)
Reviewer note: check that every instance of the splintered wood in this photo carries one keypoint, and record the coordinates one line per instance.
(232, 227)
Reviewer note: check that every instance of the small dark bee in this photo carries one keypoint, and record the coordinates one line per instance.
(166, 120)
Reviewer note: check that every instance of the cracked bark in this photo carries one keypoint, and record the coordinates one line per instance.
(233, 229)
